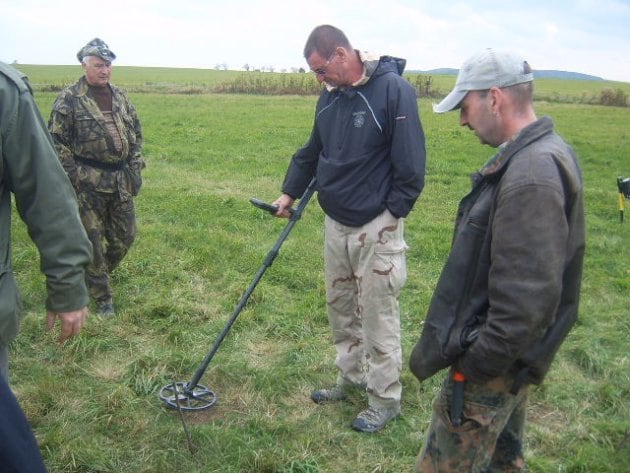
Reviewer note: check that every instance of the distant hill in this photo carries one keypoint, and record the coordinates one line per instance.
(565, 75)
(547, 74)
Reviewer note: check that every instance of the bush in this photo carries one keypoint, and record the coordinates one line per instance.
(261, 83)
(52, 88)
(613, 98)
(424, 86)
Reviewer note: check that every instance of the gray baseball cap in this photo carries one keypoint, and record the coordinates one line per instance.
(486, 69)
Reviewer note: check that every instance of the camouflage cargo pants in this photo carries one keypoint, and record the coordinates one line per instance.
(490, 437)
(110, 224)
(365, 269)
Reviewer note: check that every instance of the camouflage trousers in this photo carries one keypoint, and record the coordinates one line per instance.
(490, 438)
(110, 224)
(365, 269)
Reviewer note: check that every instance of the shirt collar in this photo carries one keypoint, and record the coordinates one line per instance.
(370, 62)
(496, 161)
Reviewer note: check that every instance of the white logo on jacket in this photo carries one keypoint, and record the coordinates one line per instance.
(359, 119)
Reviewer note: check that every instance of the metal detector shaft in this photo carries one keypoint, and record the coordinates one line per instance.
(271, 256)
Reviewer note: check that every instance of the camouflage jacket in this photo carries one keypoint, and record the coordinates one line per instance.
(86, 148)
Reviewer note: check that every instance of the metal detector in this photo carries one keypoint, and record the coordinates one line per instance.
(624, 192)
(192, 396)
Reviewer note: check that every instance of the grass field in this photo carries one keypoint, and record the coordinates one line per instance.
(93, 401)
(195, 81)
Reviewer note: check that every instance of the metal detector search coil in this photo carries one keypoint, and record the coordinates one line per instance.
(180, 396)
(192, 396)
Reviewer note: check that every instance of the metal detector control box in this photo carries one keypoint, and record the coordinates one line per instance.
(264, 205)
(272, 209)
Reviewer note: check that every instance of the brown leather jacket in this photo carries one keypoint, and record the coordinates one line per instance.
(508, 294)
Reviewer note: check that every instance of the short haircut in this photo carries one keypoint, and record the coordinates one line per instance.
(522, 94)
(324, 39)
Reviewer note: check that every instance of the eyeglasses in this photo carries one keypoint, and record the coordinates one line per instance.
(321, 71)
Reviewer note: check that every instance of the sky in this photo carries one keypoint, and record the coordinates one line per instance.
(586, 36)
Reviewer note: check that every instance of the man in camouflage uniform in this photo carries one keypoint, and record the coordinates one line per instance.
(98, 137)
(508, 294)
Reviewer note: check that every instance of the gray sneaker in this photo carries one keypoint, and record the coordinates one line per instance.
(336, 393)
(374, 419)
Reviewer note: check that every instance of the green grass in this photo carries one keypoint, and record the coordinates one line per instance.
(196, 81)
(93, 401)
(164, 79)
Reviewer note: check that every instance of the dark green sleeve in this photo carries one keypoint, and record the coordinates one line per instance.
(47, 204)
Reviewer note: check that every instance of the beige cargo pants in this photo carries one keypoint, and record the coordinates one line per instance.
(365, 269)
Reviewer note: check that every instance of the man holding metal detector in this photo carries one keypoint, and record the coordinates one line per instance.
(367, 153)
(508, 293)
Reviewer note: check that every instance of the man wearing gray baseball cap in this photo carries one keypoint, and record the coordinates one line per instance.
(484, 70)
(509, 290)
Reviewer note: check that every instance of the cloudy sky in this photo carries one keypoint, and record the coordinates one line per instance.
(588, 36)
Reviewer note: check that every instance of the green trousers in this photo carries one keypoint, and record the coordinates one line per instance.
(490, 437)
(110, 224)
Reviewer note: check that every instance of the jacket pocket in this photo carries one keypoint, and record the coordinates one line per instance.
(134, 179)
(11, 307)
(390, 252)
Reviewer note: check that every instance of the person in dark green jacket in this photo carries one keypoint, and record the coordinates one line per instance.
(45, 201)
(18, 447)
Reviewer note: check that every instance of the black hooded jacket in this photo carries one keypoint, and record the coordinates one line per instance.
(366, 148)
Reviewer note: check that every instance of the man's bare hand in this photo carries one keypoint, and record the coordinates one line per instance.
(284, 203)
(71, 322)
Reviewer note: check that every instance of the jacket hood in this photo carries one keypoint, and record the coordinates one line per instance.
(390, 63)
(375, 65)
